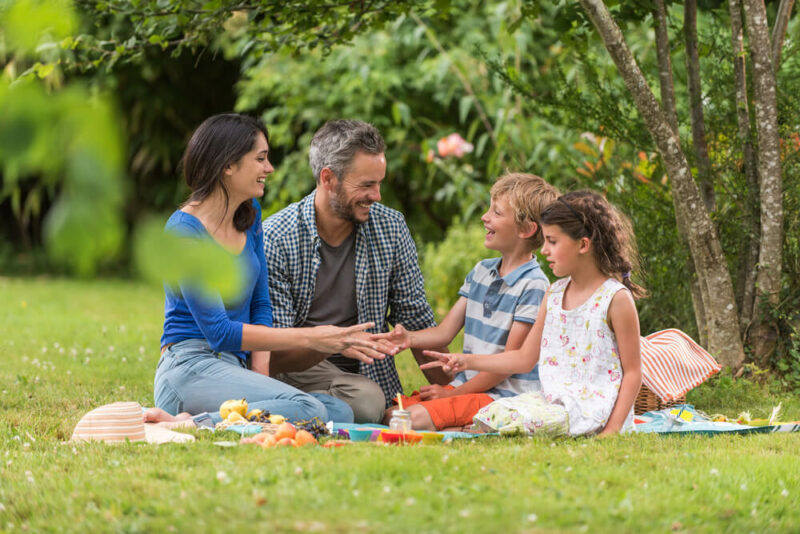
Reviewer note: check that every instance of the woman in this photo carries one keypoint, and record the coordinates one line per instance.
(206, 341)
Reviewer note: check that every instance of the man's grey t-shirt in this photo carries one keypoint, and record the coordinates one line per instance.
(335, 293)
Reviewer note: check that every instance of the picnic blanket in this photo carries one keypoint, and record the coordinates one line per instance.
(247, 430)
(447, 435)
(672, 364)
(684, 419)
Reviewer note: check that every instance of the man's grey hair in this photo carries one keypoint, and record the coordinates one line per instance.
(337, 142)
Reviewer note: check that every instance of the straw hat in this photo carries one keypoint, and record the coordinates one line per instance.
(122, 421)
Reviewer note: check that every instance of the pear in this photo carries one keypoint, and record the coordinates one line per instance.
(238, 406)
(235, 417)
(276, 419)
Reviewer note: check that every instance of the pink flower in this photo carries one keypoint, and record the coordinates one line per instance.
(429, 156)
(453, 145)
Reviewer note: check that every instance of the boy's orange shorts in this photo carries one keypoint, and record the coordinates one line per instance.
(451, 411)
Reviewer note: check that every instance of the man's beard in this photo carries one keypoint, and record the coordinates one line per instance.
(342, 208)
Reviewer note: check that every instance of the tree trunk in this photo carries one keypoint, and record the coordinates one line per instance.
(768, 277)
(668, 104)
(779, 31)
(747, 268)
(723, 329)
(665, 64)
(696, 105)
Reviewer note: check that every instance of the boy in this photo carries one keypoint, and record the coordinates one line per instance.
(498, 304)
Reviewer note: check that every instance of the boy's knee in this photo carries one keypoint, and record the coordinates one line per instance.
(420, 418)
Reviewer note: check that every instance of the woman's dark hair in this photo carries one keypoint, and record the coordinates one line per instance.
(586, 214)
(220, 141)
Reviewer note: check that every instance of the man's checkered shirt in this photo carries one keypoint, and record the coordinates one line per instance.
(389, 285)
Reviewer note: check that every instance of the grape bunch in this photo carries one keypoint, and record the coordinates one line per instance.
(314, 425)
(261, 417)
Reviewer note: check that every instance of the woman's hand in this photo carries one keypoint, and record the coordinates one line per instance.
(333, 339)
(449, 362)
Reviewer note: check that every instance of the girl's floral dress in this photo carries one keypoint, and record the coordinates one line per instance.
(579, 368)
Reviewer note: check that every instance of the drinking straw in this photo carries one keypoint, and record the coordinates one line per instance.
(399, 401)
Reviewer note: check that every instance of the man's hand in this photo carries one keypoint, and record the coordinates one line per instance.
(383, 348)
(434, 391)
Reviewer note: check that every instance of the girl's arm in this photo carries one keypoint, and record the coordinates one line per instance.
(509, 362)
(624, 322)
(485, 381)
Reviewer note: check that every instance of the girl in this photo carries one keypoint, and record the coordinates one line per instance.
(206, 341)
(586, 336)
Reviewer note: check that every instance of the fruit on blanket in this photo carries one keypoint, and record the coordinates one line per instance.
(276, 419)
(254, 414)
(304, 437)
(261, 436)
(235, 417)
(268, 442)
(285, 430)
(285, 442)
(238, 406)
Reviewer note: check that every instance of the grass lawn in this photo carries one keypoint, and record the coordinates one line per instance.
(69, 346)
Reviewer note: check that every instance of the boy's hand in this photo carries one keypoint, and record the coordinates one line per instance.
(399, 337)
(449, 362)
(378, 351)
(434, 391)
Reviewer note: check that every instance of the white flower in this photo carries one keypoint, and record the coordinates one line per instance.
(743, 487)
(428, 479)
(532, 518)
(465, 512)
(784, 492)
(445, 457)
(222, 476)
(298, 470)
(411, 501)
(714, 472)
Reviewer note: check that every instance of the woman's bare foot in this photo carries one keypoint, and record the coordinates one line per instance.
(166, 419)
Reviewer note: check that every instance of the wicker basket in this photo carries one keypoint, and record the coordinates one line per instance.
(647, 401)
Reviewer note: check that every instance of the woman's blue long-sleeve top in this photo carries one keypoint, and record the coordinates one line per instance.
(195, 313)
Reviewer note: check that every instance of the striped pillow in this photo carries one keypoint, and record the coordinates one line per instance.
(672, 363)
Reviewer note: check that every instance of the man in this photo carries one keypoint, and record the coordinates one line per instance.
(339, 257)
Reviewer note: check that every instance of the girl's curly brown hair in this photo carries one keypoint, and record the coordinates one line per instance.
(587, 214)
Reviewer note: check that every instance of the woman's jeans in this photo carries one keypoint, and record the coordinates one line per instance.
(193, 378)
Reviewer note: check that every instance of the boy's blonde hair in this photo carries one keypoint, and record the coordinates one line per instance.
(528, 195)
